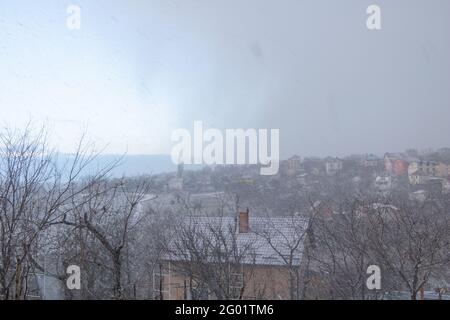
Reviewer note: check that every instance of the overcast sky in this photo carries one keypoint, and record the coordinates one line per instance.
(137, 70)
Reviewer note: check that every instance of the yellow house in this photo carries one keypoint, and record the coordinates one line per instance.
(203, 263)
(442, 170)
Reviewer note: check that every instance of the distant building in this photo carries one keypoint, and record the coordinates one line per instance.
(445, 186)
(383, 183)
(396, 164)
(419, 195)
(386, 211)
(445, 152)
(176, 184)
(418, 178)
(442, 170)
(302, 179)
(333, 165)
(313, 165)
(294, 165)
(356, 180)
(318, 208)
(371, 161)
(247, 179)
(425, 167)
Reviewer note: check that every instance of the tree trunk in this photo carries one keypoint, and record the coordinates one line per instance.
(117, 276)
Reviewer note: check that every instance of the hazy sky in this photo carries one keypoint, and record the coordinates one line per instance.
(139, 69)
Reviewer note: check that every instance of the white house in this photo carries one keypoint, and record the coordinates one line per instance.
(383, 183)
(425, 167)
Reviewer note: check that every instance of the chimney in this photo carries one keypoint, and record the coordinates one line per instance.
(243, 225)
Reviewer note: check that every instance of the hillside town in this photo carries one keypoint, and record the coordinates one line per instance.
(304, 201)
(314, 231)
(409, 174)
(310, 232)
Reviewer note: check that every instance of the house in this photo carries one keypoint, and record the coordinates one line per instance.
(444, 152)
(442, 170)
(419, 195)
(264, 272)
(247, 179)
(319, 209)
(371, 161)
(293, 165)
(400, 167)
(438, 185)
(425, 167)
(445, 186)
(333, 165)
(356, 180)
(386, 211)
(418, 178)
(176, 184)
(383, 183)
(302, 179)
(396, 164)
(313, 165)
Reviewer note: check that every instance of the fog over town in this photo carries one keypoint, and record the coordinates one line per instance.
(225, 150)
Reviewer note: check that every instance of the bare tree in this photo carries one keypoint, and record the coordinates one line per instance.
(34, 193)
(411, 242)
(110, 215)
(339, 254)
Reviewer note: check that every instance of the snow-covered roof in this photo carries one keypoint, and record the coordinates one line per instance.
(372, 157)
(272, 241)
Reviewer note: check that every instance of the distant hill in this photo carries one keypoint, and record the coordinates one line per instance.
(131, 165)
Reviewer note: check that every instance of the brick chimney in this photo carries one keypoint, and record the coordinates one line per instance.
(243, 221)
